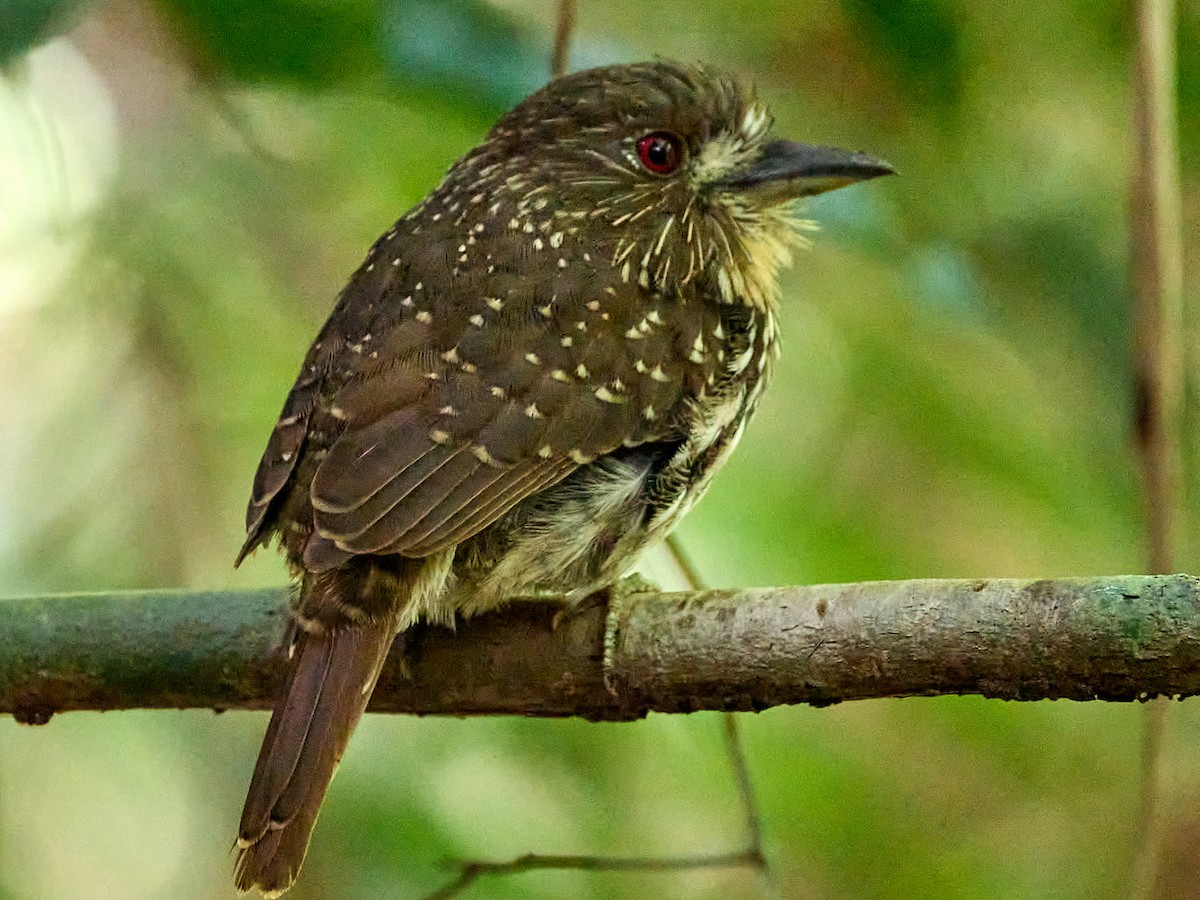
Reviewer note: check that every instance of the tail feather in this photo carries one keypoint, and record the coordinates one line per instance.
(285, 737)
(331, 680)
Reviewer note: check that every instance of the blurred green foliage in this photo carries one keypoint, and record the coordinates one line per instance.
(26, 23)
(921, 43)
(184, 187)
(286, 42)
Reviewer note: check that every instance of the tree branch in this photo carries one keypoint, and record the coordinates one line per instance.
(1115, 638)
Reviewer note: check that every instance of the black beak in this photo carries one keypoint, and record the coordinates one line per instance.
(787, 170)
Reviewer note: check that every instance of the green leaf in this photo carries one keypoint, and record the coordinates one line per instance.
(26, 23)
(921, 41)
(281, 41)
(467, 47)
(465, 50)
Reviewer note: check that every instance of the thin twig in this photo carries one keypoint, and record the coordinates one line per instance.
(734, 748)
(1151, 827)
(741, 772)
(683, 560)
(1157, 278)
(473, 870)
(560, 58)
(752, 856)
(1158, 356)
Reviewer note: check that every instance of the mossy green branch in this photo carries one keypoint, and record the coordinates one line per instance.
(1114, 638)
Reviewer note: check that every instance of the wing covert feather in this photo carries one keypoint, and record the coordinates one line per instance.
(454, 413)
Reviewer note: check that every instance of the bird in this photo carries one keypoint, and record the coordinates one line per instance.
(533, 375)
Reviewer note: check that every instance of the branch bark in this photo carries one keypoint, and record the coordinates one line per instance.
(1115, 638)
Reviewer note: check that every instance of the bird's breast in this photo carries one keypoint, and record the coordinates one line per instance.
(716, 414)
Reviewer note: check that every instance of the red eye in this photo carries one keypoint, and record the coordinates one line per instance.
(659, 152)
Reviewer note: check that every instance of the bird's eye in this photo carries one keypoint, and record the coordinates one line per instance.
(660, 152)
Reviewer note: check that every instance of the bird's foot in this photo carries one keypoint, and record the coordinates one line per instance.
(635, 584)
(619, 593)
(602, 598)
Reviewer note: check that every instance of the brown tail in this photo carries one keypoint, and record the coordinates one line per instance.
(330, 682)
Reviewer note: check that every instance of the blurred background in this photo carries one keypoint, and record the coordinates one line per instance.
(186, 184)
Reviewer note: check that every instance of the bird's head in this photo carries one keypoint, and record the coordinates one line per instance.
(670, 168)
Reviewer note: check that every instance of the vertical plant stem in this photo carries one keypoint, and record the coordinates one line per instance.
(1158, 355)
(1157, 278)
(560, 58)
(559, 62)
(734, 747)
(741, 771)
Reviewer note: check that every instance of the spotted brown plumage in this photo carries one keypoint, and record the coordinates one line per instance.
(532, 376)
